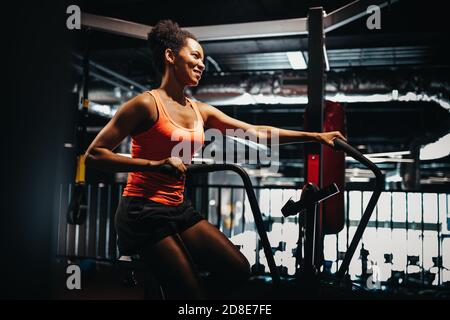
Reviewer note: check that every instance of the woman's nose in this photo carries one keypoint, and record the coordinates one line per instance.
(201, 65)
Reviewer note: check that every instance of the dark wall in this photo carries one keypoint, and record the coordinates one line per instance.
(35, 123)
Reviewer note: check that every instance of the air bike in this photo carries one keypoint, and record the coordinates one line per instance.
(308, 278)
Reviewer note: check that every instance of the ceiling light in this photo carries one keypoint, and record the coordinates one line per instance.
(296, 60)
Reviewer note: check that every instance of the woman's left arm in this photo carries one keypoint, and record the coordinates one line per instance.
(214, 118)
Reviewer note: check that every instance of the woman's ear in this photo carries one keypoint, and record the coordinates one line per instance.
(169, 55)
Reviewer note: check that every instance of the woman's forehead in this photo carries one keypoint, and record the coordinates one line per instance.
(193, 45)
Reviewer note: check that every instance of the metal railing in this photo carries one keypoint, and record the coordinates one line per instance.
(408, 229)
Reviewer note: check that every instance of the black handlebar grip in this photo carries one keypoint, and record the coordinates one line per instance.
(169, 170)
(343, 146)
(191, 168)
(355, 154)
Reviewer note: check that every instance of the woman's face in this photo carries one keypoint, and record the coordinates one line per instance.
(188, 64)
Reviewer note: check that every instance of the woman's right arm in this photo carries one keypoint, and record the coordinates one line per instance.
(128, 117)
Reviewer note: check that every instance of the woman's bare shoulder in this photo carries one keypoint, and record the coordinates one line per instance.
(143, 105)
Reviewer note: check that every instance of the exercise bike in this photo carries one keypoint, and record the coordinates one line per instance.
(308, 274)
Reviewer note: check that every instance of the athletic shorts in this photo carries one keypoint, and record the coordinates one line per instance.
(141, 222)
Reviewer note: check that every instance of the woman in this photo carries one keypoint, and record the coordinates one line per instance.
(153, 219)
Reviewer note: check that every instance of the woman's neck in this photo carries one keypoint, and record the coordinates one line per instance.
(173, 89)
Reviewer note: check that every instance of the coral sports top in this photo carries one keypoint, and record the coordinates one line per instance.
(157, 143)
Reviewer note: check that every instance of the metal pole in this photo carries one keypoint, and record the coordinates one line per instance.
(316, 81)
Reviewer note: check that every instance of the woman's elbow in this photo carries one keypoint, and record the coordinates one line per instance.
(91, 157)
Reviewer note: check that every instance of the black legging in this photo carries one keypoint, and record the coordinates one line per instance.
(174, 259)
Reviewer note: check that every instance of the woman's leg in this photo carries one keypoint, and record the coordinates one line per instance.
(174, 269)
(212, 249)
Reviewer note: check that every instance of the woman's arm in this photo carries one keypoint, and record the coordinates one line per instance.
(214, 118)
(128, 118)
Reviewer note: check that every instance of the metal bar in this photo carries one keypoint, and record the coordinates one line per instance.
(109, 217)
(117, 247)
(241, 187)
(77, 242)
(337, 251)
(113, 73)
(379, 183)
(59, 219)
(439, 241)
(254, 205)
(116, 26)
(88, 202)
(316, 83)
(391, 222)
(314, 119)
(252, 30)
(249, 30)
(361, 212)
(106, 80)
(67, 225)
(351, 12)
(97, 225)
(243, 210)
(399, 225)
(422, 230)
(87, 235)
(263, 29)
(279, 187)
(219, 209)
(232, 207)
(406, 228)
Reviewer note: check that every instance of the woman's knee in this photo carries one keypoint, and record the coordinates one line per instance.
(241, 270)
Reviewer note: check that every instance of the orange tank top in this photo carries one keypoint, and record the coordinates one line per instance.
(158, 143)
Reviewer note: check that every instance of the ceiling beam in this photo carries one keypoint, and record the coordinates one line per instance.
(115, 26)
(249, 30)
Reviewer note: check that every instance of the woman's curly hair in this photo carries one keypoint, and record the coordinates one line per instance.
(166, 34)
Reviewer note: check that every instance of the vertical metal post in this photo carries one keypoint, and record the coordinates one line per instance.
(219, 209)
(347, 222)
(109, 218)
(59, 221)
(439, 257)
(117, 253)
(243, 211)
(97, 224)
(422, 227)
(232, 206)
(316, 83)
(314, 117)
(68, 229)
(88, 230)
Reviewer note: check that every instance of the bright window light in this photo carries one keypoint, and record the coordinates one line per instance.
(296, 60)
(436, 150)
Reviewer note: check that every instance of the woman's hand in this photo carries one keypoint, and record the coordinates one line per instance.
(328, 137)
(177, 164)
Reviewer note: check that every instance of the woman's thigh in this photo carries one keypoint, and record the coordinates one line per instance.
(213, 250)
(174, 268)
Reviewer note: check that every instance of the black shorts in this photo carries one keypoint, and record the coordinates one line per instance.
(141, 222)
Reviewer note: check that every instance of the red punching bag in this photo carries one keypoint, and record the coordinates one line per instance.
(333, 166)
(333, 170)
